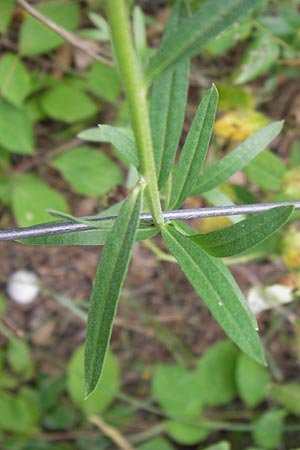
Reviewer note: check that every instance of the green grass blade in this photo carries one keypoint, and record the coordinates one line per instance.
(236, 160)
(245, 234)
(107, 286)
(208, 21)
(167, 106)
(215, 284)
(120, 138)
(195, 149)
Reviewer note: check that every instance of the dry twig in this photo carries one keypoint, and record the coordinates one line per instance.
(77, 42)
(111, 432)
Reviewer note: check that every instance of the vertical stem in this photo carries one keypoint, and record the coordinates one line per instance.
(136, 94)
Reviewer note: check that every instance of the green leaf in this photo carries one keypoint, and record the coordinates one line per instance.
(266, 171)
(252, 380)
(104, 81)
(236, 160)
(217, 197)
(159, 443)
(185, 433)
(215, 284)
(234, 97)
(6, 13)
(30, 198)
(19, 358)
(21, 415)
(120, 138)
(88, 171)
(139, 33)
(91, 237)
(207, 22)
(288, 395)
(68, 104)
(16, 133)
(222, 445)
(268, 429)
(178, 391)
(194, 150)
(215, 370)
(103, 395)
(14, 79)
(107, 287)
(167, 107)
(257, 59)
(36, 38)
(229, 38)
(245, 234)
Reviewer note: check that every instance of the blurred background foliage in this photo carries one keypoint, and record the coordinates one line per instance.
(212, 398)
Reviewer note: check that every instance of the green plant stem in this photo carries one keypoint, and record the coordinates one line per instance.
(136, 93)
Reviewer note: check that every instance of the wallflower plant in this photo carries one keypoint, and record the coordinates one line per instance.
(151, 148)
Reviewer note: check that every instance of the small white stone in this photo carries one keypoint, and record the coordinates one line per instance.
(23, 286)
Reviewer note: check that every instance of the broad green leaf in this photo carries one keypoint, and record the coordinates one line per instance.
(107, 287)
(178, 391)
(252, 380)
(16, 133)
(104, 81)
(268, 429)
(14, 79)
(186, 433)
(68, 104)
(157, 443)
(19, 358)
(245, 234)
(36, 38)
(277, 24)
(257, 59)
(288, 395)
(266, 171)
(222, 445)
(31, 197)
(216, 370)
(167, 107)
(91, 237)
(236, 160)
(194, 150)
(6, 13)
(215, 284)
(21, 415)
(88, 171)
(120, 138)
(103, 395)
(206, 23)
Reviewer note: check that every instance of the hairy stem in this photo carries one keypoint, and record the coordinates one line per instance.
(136, 93)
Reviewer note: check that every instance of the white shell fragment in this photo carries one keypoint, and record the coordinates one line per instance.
(268, 297)
(23, 286)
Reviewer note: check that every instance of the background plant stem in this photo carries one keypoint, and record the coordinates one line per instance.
(136, 93)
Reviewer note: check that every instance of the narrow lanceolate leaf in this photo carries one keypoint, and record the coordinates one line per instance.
(167, 107)
(195, 148)
(120, 138)
(236, 160)
(243, 235)
(89, 237)
(216, 286)
(107, 286)
(208, 21)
